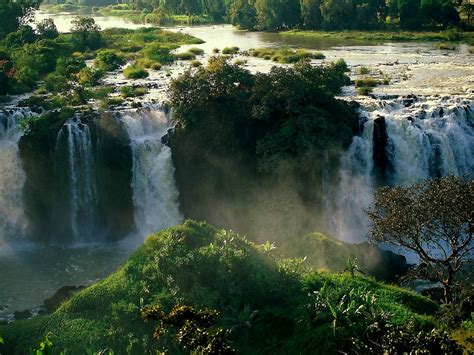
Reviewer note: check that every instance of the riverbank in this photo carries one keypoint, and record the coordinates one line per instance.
(127, 13)
(398, 36)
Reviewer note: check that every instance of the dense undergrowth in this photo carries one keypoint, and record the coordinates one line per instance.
(57, 62)
(267, 304)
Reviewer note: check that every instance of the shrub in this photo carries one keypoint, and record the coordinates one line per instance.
(368, 82)
(90, 76)
(130, 91)
(196, 51)
(216, 50)
(195, 63)
(363, 70)
(108, 60)
(135, 72)
(364, 90)
(159, 52)
(230, 50)
(446, 46)
(185, 56)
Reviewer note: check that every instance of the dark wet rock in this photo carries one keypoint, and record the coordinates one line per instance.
(136, 104)
(380, 141)
(410, 118)
(3, 307)
(61, 295)
(23, 314)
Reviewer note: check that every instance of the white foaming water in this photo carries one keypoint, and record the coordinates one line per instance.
(76, 137)
(426, 138)
(155, 195)
(13, 223)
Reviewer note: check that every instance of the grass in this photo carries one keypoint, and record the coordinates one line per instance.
(364, 90)
(230, 50)
(367, 82)
(185, 56)
(401, 36)
(195, 63)
(446, 46)
(285, 55)
(135, 71)
(196, 51)
(263, 299)
(130, 91)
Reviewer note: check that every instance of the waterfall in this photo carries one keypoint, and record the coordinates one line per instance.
(12, 177)
(427, 137)
(155, 195)
(76, 138)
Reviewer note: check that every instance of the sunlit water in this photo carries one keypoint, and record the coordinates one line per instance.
(31, 273)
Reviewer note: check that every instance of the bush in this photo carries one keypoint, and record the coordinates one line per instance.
(196, 51)
(130, 91)
(108, 60)
(368, 82)
(364, 90)
(446, 46)
(90, 76)
(135, 72)
(185, 56)
(230, 50)
(363, 70)
(195, 63)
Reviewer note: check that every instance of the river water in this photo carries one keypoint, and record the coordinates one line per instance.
(30, 273)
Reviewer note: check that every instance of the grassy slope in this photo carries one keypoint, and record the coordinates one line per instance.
(197, 265)
(323, 252)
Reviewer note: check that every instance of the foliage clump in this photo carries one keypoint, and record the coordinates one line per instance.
(434, 219)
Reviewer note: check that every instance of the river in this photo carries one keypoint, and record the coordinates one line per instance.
(31, 273)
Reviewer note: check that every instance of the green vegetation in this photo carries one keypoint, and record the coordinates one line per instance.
(445, 46)
(324, 253)
(263, 303)
(389, 35)
(130, 91)
(435, 222)
(196, 51)
(271, 108)
(185, 56)
(135, 71)
(230, 50)
(285, 55)
(26, 57)
(367, 82)
(195, 63)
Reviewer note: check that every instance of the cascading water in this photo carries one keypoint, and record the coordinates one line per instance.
(75, 138)
(426, 137)
(155, 195)
(12, 177)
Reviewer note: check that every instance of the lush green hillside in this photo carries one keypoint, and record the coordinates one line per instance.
(323, 252)
(267, 304)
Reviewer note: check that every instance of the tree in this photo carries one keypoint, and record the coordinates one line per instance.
(13, 14)
(86, 33)
(47, 29)
(311, 13)
(434, 219)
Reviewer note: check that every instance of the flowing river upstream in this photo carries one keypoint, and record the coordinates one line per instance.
(428, 108)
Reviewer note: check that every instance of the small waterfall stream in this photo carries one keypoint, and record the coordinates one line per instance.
(155, 194)
(426, 137)
(13, 223)
(75, 137)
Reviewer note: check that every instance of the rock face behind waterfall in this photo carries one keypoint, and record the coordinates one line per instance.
(78, 180)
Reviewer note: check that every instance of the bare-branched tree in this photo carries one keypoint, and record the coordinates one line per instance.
(434, 219)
